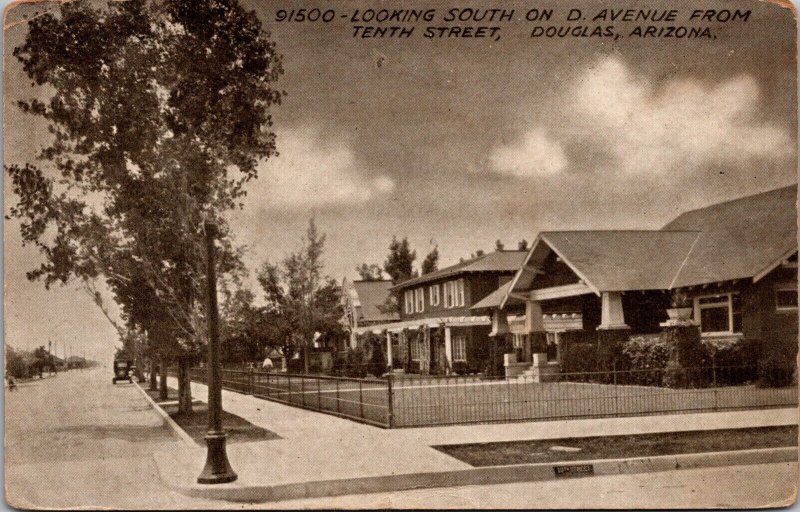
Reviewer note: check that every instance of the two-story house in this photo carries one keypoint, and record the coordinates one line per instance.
(442, 300)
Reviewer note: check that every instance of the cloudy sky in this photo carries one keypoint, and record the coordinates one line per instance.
(457, 143)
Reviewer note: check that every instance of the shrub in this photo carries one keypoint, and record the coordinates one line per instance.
(377, 360)
(339, 366)
(295, 365)
(733, 360)
(776, 370)
(687, 358)
(647, 359)
(355, 366)
(579, 357)
(460, 368)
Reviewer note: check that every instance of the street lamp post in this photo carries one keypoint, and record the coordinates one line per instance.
(217, 469)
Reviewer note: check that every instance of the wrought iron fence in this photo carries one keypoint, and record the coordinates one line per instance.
(366, 400)
(455, 400)
(415, 401)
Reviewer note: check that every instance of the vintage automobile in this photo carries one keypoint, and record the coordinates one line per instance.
(122, 371)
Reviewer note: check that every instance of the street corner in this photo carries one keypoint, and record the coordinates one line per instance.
(178, 467)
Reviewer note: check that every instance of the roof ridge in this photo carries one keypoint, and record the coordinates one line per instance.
(737, 199)
(685, 259)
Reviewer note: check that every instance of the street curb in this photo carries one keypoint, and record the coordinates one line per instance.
(240, 492)
(186, 438)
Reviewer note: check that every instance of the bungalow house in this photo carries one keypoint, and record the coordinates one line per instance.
(366, 303)
(735, 263)
(442, 300)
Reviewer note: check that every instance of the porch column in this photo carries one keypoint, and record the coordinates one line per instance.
(612, 316)
(499, 323)
(448, 346)
(389, 348)
(534, 326)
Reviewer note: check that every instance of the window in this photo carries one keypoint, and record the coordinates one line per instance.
(414, 348)
(786, 297)
(409, 296)
(459, 285)
(434, 295)
(419, 298)
(719, 314)
(449, 294)
(459, 348)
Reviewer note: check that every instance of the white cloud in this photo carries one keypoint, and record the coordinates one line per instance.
(683, 125)
(534, 154)
(313, 171)
(678, 125)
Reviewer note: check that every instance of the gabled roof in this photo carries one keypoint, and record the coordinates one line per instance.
(494, 299)
(623, 260)
(498, 261)
(368, 297)
(740, 238)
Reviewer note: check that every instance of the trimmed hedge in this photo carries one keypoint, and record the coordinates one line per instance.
(661, 359)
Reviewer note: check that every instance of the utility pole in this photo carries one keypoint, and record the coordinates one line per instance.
(217, 469)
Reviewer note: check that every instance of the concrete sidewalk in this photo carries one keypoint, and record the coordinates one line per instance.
(323, 450)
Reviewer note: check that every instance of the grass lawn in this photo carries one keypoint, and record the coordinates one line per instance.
(196, 424)
(618, 447)
(435, 401)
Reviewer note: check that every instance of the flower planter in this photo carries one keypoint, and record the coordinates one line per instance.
(679, 313)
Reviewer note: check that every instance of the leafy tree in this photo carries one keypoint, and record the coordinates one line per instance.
(522, 245)
(300, 300)
(371, 272)
(400, 261)
(159, 114)
(431, 262)
(477, 254)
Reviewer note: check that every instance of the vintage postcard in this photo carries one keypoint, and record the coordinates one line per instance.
(400, 254)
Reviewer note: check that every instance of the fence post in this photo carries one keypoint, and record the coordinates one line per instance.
(319, 395)
(303, 390)
(289, 396)
(361, 397)
(616, 391)
(390, 396)
(337, 396)
(250, 382)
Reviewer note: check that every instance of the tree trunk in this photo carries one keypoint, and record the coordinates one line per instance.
(184, 387)
(153, 373)
(163, 393)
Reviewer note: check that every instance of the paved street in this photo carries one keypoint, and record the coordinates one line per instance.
(76, 440)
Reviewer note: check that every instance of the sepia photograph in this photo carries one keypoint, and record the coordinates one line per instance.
(406, 254)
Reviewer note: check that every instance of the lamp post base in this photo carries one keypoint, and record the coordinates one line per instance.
(217, 469)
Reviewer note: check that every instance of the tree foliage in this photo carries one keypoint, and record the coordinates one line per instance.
(369, 272)
(159, 114)
(399, 263)
(431, 262)
(299, 299)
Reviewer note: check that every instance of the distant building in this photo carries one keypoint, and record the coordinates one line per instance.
(442, 300)
(366, 303)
